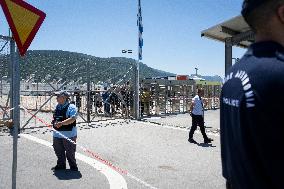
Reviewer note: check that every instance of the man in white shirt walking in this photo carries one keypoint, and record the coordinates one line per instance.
(197, 114)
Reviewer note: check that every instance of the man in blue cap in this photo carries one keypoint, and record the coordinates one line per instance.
(64, 121)
(252, 113)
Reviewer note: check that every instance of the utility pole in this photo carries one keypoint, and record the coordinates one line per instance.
(135, 86)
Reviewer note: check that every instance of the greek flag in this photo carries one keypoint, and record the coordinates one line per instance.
(140, 27)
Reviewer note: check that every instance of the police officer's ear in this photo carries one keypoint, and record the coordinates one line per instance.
(280, 13)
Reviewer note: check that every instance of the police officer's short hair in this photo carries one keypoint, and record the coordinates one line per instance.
(199, 90)
(257, 17)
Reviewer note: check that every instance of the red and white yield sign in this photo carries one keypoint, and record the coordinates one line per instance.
(24, 21)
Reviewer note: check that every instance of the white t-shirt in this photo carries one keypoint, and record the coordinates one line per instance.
(197, 108)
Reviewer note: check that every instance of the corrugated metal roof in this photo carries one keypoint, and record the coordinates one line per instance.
(230, 28)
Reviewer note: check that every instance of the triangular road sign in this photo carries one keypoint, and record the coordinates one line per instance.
(24, 21)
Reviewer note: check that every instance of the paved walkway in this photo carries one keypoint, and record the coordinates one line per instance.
(154, 156)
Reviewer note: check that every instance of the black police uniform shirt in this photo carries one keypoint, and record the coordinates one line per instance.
(252, 119)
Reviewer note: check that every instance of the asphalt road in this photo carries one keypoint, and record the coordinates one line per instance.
(211, 119)
(154, 156)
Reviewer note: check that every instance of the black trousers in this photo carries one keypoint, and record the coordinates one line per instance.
(197, 120)
(63, 148)
(228, 185)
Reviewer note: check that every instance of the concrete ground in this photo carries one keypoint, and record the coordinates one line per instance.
(154, 155)
(211, 119)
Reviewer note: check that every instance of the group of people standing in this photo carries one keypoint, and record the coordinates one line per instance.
(109, 101)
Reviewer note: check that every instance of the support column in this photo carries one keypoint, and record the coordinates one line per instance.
(228, 54)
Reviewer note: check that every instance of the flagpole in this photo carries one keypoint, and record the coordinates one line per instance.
(139, 57)
(137, 91)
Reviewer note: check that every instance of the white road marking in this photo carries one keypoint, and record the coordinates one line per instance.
(140, 181)
(116, 181)
(109, 173)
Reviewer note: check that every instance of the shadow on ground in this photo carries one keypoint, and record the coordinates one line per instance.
(67, 174)
(206, 145)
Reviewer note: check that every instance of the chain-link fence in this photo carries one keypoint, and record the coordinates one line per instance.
(5, 113)
(101, 88)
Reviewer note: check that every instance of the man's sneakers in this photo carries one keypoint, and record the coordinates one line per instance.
(191, 140)
(74, 168)
(57, 167)
(208, 140)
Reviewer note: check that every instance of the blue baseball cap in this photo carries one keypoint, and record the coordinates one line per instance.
(62, 93)
(250, 5)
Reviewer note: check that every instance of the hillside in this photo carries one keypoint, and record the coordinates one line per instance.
(52, 65)
(48, 65)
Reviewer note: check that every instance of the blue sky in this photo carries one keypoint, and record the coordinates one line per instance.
(172, 28)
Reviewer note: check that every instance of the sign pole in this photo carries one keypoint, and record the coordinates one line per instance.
(24, 21)
(16, 113)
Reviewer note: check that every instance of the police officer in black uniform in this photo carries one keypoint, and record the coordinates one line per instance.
(252, 108)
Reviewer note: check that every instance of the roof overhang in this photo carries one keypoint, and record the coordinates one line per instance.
(234, 31)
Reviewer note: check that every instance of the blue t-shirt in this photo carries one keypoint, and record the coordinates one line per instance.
(71, 113)
(252, 119)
